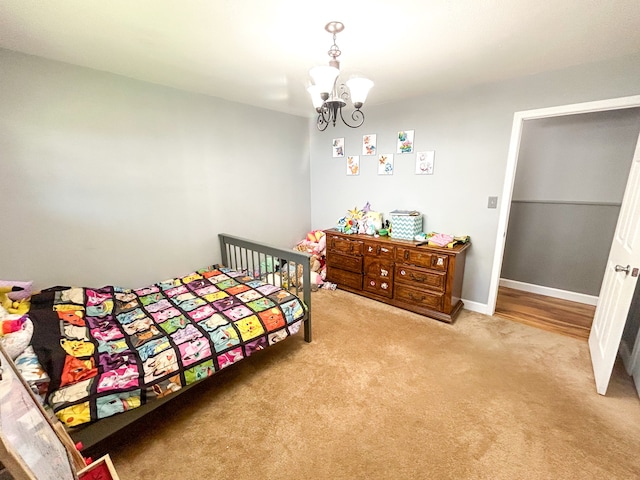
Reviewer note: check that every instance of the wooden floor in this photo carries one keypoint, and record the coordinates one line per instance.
(548, 313)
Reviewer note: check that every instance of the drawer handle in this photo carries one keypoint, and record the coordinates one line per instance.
(415, 297)
(417, 278)
(406, 254)
(378, 250)
(351, 248)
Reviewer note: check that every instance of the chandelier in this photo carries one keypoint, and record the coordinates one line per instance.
(329, 95)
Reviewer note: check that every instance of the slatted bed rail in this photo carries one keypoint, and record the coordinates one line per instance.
(274, 265)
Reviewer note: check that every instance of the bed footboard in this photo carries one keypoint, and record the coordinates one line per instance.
(271, 264)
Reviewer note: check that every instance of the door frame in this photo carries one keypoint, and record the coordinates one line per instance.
(512, 163)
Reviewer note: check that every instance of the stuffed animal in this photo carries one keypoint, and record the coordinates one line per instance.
(316, 264)
(355, 221)
(315, 236)
(19, 307)
(292, 277)
(322, 246)
(316, 281)
(10, 326)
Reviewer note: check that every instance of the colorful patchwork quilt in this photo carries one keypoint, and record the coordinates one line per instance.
(108, 350)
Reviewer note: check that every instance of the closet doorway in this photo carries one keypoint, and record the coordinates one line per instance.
(569, 183)
(612, 320)
(510, 174)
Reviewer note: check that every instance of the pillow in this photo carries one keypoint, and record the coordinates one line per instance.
(15, 343)
(20, 294)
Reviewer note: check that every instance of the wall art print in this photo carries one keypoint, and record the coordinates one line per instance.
(424, 162)
(385, 164)
(369, 144)
(405, 141)
(353, 165)
(338, 147)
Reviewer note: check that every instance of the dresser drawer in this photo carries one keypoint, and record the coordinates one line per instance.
(421, 278)
(345, 262)
(343, 277)
(378, 286)
(378, 250)
(419, 298)
(344, 245)
(422, 258)
(375, 267)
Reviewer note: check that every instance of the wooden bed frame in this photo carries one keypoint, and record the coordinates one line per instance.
(239, 254)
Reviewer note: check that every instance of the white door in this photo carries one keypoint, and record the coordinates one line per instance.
(619, 282)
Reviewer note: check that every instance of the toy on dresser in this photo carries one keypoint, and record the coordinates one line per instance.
(363, 221)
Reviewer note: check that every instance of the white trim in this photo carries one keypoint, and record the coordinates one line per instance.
(550, 292)
(475, 306)
(512, 161)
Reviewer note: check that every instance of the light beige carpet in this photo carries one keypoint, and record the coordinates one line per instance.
(382, 393)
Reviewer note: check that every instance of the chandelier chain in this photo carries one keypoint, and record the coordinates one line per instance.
(334, 51)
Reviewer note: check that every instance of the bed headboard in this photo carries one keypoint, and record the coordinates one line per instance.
(268, 263)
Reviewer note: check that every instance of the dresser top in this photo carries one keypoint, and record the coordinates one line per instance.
(397, 242)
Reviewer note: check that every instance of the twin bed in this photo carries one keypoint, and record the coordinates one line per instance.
(113, 354)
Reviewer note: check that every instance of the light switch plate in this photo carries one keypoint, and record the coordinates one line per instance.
(493, 202)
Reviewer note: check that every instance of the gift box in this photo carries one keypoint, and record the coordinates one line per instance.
(405, 225)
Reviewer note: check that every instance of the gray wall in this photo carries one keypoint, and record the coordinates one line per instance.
(108, 180)
(93, 163)
(563, 246)
(570, 179)
(632, 326)
(470, 132)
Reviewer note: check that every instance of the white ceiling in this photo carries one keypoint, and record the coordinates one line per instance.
(259, 51)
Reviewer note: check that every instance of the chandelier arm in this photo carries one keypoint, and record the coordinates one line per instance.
(326, 113)
(321, 123)
(343, 92)
(357, 116)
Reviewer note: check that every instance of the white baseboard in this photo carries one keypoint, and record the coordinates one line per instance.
(476, 306)
(549, 292)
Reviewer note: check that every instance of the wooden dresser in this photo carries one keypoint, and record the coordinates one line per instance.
(425, 280)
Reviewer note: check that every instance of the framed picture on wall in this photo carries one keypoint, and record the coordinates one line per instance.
(353, 165)
(425, 162)
(405, 141)
(338, 147)
(369, 144)
(385, 164)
